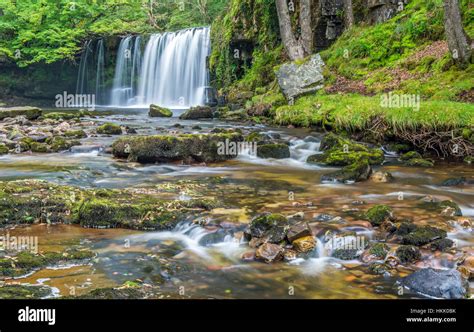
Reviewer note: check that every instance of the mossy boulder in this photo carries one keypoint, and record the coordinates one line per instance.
(58, 143)
(20, 292)
(198, 112)
(39, 147)
(3, 149)
(61, 116)
(379, 250)
(339, 151)
(356, 172)
(415, 159)
(109, 129)
(408, 254)
(31, 113)
(276, 151)
(423, 235)
(378, 214)
(159, 112)
(274, 226)
(442, 244)
(346, 254)
(446, 208)
(75, 134)
(185, 147)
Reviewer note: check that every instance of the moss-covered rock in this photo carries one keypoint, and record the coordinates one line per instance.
(198, 112)
(442, 244)
(445, 208)
(378, 214)
(379, 250)
(346, 254)
(109, 129)
(186, 147)
(411, 155)
(272, 225)
(58, 143)
(159, 112)
(31, 113)
(338, 151)
(408, 254)
(75, 134)
(61, 116)
(17, 292)
(110, 293)
(276, 151)
(418, 162)
(3, 149)
(356, 172)
(39, 147)
(423, 235)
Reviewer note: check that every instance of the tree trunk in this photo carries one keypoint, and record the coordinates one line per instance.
(306, 27)
(293, 47)
(348, 14)
(458, 42)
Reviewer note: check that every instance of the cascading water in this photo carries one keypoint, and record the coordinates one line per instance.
(171, 71)
(91, 76)
(174, 71)
(126, 69)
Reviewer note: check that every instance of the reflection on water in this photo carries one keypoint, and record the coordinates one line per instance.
(206, 260)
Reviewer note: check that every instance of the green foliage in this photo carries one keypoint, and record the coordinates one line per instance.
(47, 31)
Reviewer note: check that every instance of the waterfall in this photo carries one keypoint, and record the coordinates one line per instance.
(91, 76)
(174, 71)
(126, 69)
(170, 70)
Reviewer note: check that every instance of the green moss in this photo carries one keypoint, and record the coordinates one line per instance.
(16, 292)
(408, 254)
(380, 250)
(419, 162)
(423, 235)
(442, 244)
(3, 149)
(378, 214)
(109, 129)
(410, 155)
(161, 112)
(75, 134)
(39, 147)
(61, 116)
(58, 143)
(277, 151)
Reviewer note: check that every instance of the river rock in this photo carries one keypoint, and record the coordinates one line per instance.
(304, 244)
(269, 252)
(298, 79)
(185, 147)
(381, 177)
(359, 171)
(423, 235)
(408, 254)
(447, 284)
(276, 151)
(271, 226)
(198, 112)
(379, 213)
(159, 112)
(31, 113)
(299, 230)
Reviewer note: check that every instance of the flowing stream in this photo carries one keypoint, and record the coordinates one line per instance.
(207, 260)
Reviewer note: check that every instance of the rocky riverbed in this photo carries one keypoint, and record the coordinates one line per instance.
(132, 204)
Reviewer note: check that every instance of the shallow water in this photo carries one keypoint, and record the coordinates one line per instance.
(206, 260)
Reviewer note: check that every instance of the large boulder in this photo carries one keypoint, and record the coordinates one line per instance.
(271, 226)
(296, 79)
(31, 113)
(185, 147)
(198, 112)
(159, 112)
(273, 150)
(447, 284)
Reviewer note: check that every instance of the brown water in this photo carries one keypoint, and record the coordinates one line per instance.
(198, 262)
